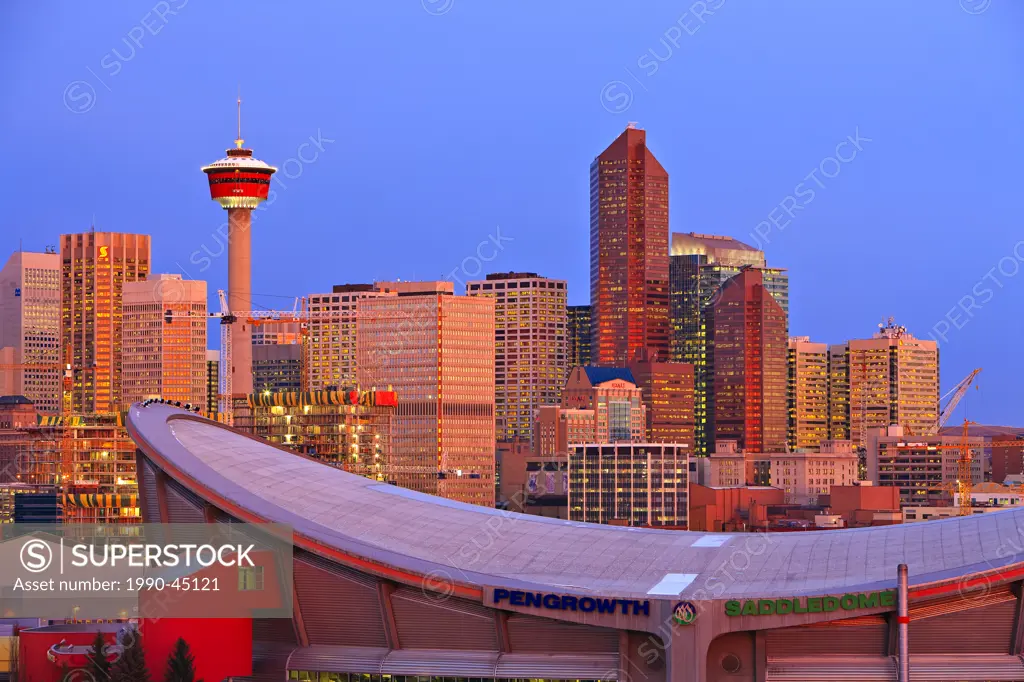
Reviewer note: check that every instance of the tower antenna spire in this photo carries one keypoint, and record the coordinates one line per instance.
(239, 141)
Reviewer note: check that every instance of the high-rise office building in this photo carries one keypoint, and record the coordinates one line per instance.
(599, 405)
(807, 393)
(838, 393)
(699, 265)
(331, 361)
(891, 378)
(529, 346)
(95, 267)
(578, 321)
(212, 382)
(436, 351)
(628, 250)
(748, 401)
(277, 367)
(163, 343)
(667, 390)
(30, 328)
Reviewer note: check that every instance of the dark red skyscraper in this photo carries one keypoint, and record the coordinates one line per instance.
(748, 403)
(628, 251)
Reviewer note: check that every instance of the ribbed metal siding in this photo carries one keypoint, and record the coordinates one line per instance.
(559, 666)
(182, 509)
(336, 610)
(984, 629)
(969, 667)
(338, 659)
(148, 502)
(867, 637)
(273, 630)
(529, 634)
(427, 623)
(832, 669)
(440, 663)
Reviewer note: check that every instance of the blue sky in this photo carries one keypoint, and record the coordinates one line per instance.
(439, 125)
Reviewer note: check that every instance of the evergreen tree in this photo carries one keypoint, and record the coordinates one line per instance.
(98, 664)
(181, 664)
(131, 666)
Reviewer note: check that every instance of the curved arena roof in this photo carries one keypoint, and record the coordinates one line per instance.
(404, 534)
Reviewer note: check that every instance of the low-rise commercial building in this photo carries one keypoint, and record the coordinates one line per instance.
(923, 467)
(807, 474)
(629, 484)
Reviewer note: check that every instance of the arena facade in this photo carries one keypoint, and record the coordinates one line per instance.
(390, 583)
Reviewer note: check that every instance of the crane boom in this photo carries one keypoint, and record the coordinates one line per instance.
(955, 395)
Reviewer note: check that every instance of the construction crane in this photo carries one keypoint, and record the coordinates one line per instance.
(299, 314)
(955, 395)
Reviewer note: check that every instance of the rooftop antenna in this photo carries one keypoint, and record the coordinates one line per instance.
(92, 225)
(239, 140)
(631, 125)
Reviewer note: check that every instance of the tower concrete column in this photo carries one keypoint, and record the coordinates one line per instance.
(240, 297)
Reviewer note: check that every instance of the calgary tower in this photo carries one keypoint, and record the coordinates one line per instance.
(239, 183)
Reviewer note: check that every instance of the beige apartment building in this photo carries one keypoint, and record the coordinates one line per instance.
(94, 268)
(805, 474)
(30, 329)
(530, 346)
(807, 393)
(924, 468)
(163, 346)
(891, 378)
(436, 351)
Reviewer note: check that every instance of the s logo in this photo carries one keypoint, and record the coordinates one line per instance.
(103, 252)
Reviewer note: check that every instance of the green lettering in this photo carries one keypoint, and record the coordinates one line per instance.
(798, 606)
(814, 605)
(830, 604)
(783, 606)
(868, 600)
(848, 602)
(888, 598)
(732, 608)
(750, 608)
(765, 607)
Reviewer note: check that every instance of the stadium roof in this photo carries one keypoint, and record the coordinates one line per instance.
(372, 524)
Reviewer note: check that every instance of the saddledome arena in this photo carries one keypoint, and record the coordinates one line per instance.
(391, 585)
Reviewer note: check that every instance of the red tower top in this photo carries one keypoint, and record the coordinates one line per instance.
(238, 180)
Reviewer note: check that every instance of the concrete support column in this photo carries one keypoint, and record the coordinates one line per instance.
(903, 623)
(240, 297)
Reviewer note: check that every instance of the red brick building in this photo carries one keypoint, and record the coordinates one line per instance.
(668, 396)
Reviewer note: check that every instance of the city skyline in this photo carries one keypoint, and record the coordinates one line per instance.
(727, 179)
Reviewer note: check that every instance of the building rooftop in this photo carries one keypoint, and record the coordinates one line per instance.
(599, 375)
(14, 400)
(381, 527)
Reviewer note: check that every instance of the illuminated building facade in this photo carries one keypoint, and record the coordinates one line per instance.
(748, 401)
(164, 340)
(212, 382)
(94, 268)
(891, 378)
(628, 250)
(699, 265)
(578, 321)
(629, 484)
(30, 328)
(530, 344)
(924, 468)
(806, 474)
(350, 430)
(101, 486)
(807, 393)
(332, 335)
(436, 350)
(667, 392)
(839, 393)
(277, 367)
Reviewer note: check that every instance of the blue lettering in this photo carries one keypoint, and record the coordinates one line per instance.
(517, 598)
(568, 603)
(533, 599)
(587, 604)
(639, 606)
(500, 595)
(606, 606)
(625, 606)
(551, 601)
